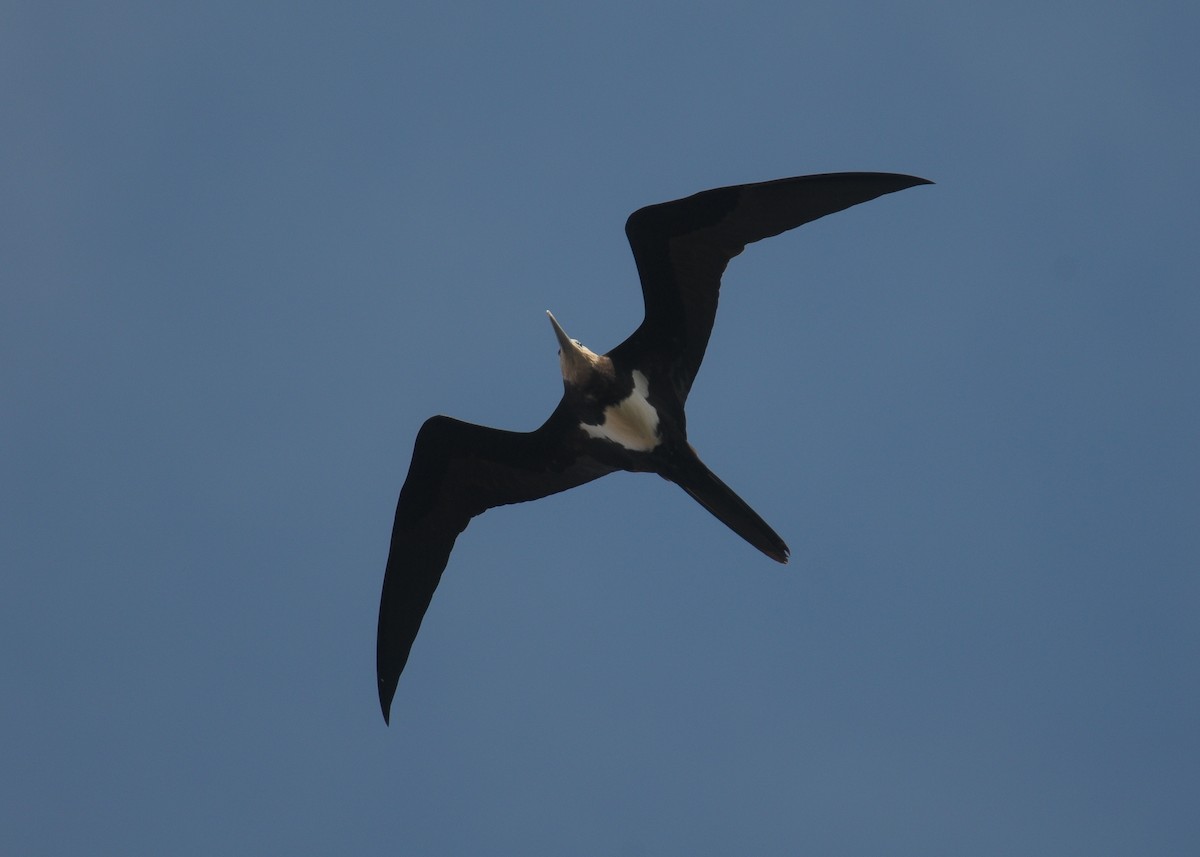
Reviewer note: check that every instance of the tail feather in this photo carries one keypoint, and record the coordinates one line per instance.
(730, 509)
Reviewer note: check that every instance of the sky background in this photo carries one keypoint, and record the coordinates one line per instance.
(246, 249)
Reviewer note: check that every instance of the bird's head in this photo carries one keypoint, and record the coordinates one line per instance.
(578, 362)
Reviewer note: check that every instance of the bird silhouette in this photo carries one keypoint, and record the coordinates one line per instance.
(623, 410)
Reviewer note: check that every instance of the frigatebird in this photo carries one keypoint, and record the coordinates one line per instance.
(623, 410)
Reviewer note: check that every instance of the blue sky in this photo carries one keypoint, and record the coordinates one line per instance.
(246, 250)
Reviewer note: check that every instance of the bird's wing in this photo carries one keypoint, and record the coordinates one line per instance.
(682, 247)
(458, 471)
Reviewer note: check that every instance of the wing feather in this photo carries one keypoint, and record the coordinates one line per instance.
(682, 248)
(460, 470)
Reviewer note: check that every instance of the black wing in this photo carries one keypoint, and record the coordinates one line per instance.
(460, 470)
(682, 247)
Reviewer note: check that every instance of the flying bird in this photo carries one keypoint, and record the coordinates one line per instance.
(623, 410)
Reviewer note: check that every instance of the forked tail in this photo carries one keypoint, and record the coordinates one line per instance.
(710, 492)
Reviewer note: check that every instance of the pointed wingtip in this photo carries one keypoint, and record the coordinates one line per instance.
(385, 703)
(909, 180)
(903, 180)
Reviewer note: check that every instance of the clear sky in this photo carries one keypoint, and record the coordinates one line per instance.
(247, 248)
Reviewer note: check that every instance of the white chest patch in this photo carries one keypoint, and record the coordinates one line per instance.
(633, 422)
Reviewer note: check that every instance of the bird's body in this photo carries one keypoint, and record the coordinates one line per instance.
(623, 410)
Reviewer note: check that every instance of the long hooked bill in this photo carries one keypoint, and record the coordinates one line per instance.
(575, 359)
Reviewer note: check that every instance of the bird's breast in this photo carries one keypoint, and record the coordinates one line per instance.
(631, 422)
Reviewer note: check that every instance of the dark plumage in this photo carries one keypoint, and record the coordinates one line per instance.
(620, 411)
